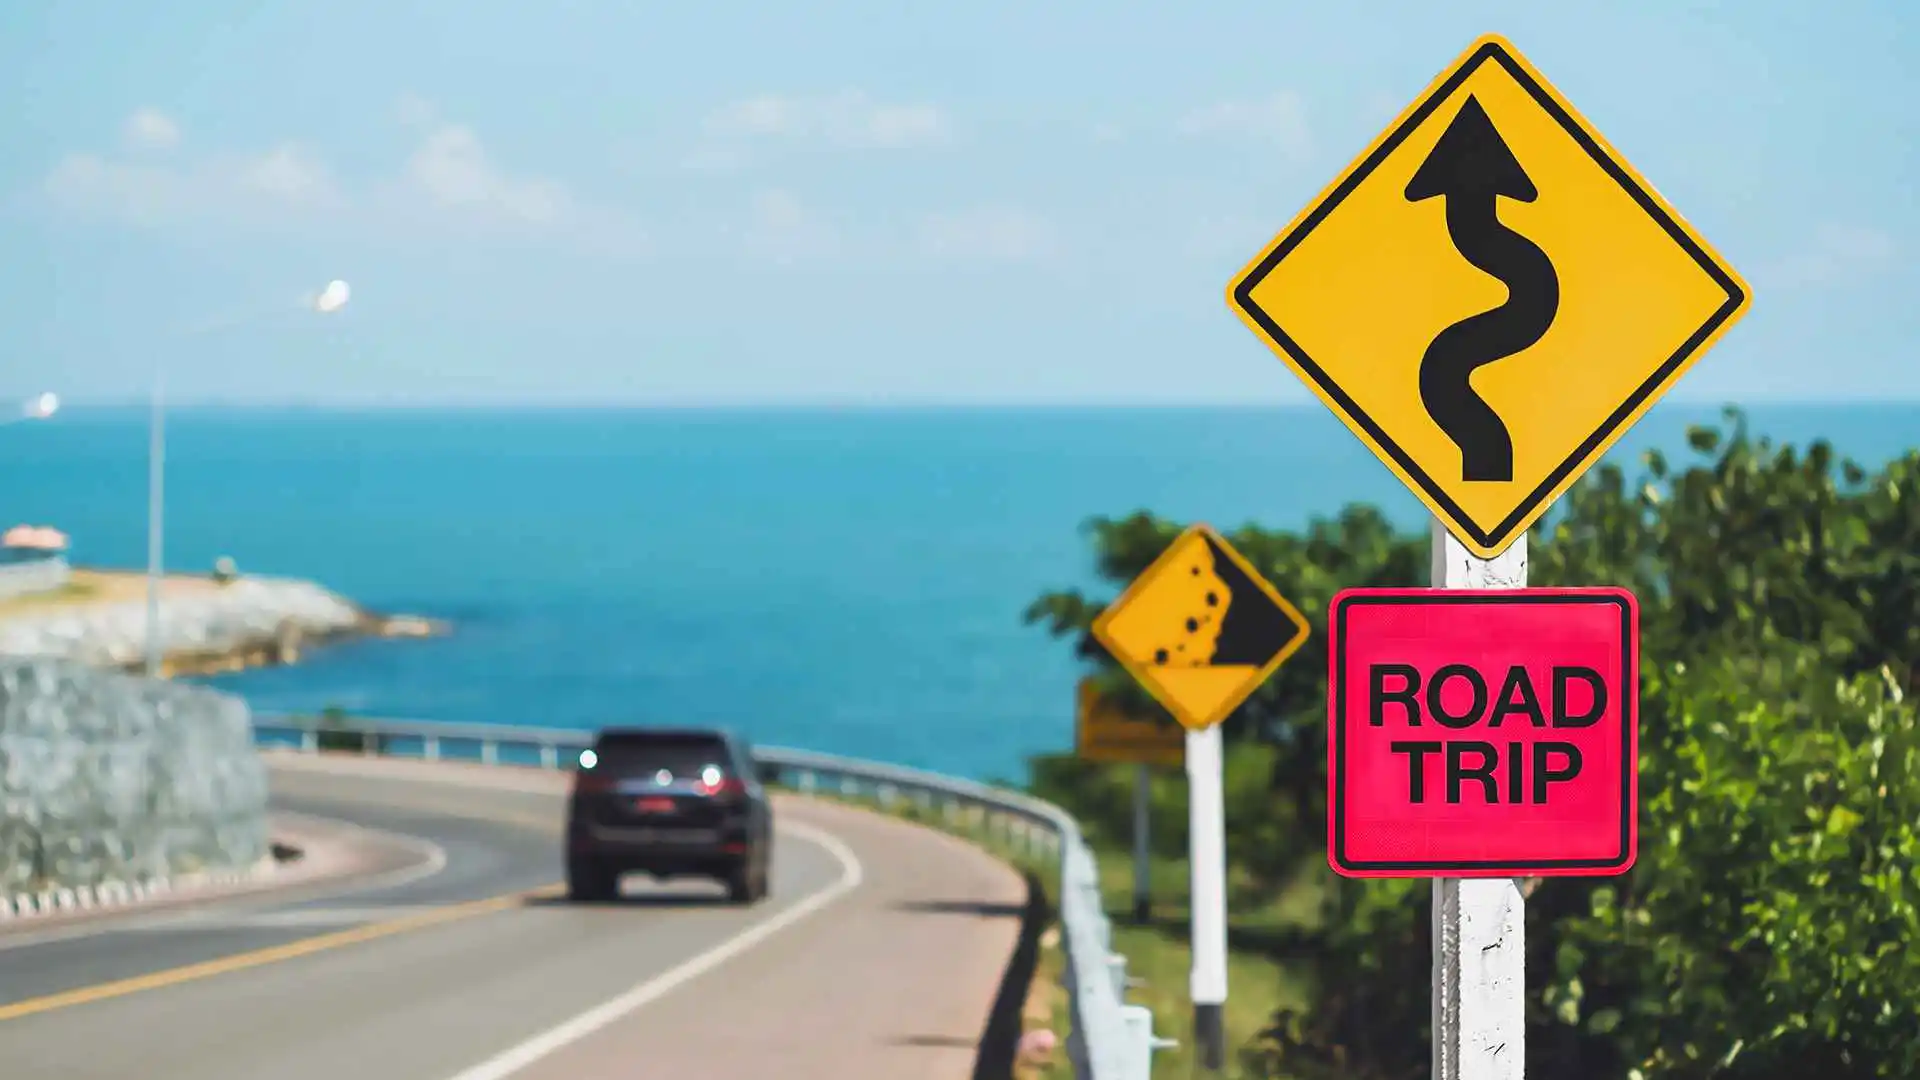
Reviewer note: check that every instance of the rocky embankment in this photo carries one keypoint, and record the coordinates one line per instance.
(205, 626)
(108, 778)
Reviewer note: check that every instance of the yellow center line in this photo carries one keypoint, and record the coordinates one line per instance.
(272, 954)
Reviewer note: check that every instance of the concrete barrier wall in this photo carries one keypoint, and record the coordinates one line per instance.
(25, 577)
(110, 777)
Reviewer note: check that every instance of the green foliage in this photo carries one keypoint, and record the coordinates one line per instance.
(336, 733)
(1357, 548)
(1264, 836)
(1763, 931)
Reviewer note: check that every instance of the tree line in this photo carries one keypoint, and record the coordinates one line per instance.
(1764, 930)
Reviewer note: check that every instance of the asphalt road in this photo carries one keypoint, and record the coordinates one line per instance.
(876, 955)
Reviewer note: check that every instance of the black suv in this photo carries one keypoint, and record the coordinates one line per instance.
(670, 803)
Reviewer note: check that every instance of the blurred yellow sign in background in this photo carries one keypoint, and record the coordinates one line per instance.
(1106, 733)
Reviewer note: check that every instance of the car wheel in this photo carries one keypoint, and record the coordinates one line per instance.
(587, 882)
(741, 882)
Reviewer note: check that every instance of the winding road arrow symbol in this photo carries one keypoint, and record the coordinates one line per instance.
(1471, 167)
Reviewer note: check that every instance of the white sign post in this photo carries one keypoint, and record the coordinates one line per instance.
(1487, 137)
(1479, 924)
(1207, 859)
(1249, 631)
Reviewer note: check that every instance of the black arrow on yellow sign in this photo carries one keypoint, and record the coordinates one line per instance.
(1471, 167)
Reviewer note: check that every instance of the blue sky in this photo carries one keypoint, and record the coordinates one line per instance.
(873, 202)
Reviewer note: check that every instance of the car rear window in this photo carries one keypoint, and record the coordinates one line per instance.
(681, 755)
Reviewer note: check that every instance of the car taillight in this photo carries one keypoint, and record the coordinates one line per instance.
(729, 788)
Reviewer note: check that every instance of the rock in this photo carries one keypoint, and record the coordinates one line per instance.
(271, 615)
(411, 626)
(106, 776)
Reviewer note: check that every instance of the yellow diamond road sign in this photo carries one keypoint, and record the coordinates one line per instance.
(1489, 296)
(1200, 629)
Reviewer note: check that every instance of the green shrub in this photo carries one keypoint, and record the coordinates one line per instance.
(1763, 932)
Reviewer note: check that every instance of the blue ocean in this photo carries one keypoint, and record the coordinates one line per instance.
(847, 581)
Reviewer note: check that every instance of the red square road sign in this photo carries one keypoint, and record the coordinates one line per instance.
(1483, 733)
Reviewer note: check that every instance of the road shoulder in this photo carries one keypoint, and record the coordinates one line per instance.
(332, 855)
(899, 979)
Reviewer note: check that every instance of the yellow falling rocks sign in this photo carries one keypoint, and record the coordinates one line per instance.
(1200, 629)
(1489, 296)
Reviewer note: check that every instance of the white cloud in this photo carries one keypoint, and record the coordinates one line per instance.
(1108, 133)
(995, 233)
(451, 178)
(448, 178)
(781, 228)
(289, 174)
(1836, 253)
(150, 129)
(849, 120)
(1280, 119)
(452, 171)
(285, 178)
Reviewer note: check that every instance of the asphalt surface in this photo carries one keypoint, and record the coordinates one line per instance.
(877, 955)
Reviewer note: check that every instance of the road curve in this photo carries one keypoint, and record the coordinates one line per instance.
(877, 955)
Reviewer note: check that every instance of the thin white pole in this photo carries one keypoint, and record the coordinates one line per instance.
(1142, 870)
(331, 300)
(1479, 924)
(156, 518)
(1207, 856)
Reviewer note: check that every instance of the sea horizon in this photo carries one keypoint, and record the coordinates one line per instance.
(843, 579)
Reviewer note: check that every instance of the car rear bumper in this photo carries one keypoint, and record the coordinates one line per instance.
(659, 849)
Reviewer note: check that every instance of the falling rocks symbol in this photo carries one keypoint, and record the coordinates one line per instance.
(1240, 628)
(1251, 630)
(1471, 167)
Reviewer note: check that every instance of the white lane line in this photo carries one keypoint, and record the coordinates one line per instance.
(515, 1058)
(186, 911)
(433, 857)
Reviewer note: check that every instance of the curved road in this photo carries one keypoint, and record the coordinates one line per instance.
(877, 955)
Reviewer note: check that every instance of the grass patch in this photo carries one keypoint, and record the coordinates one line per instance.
(1260, 938)
(73, 592)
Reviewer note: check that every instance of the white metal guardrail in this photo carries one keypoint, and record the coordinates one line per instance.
(1110, 1039)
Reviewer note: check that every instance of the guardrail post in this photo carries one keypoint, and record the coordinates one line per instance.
(549, 756)
(887, 795)
(370, 743)
(489, 752)
(848, 787)
(309, 741)
(806, 781)
(431, 748)
(1140, 1041)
